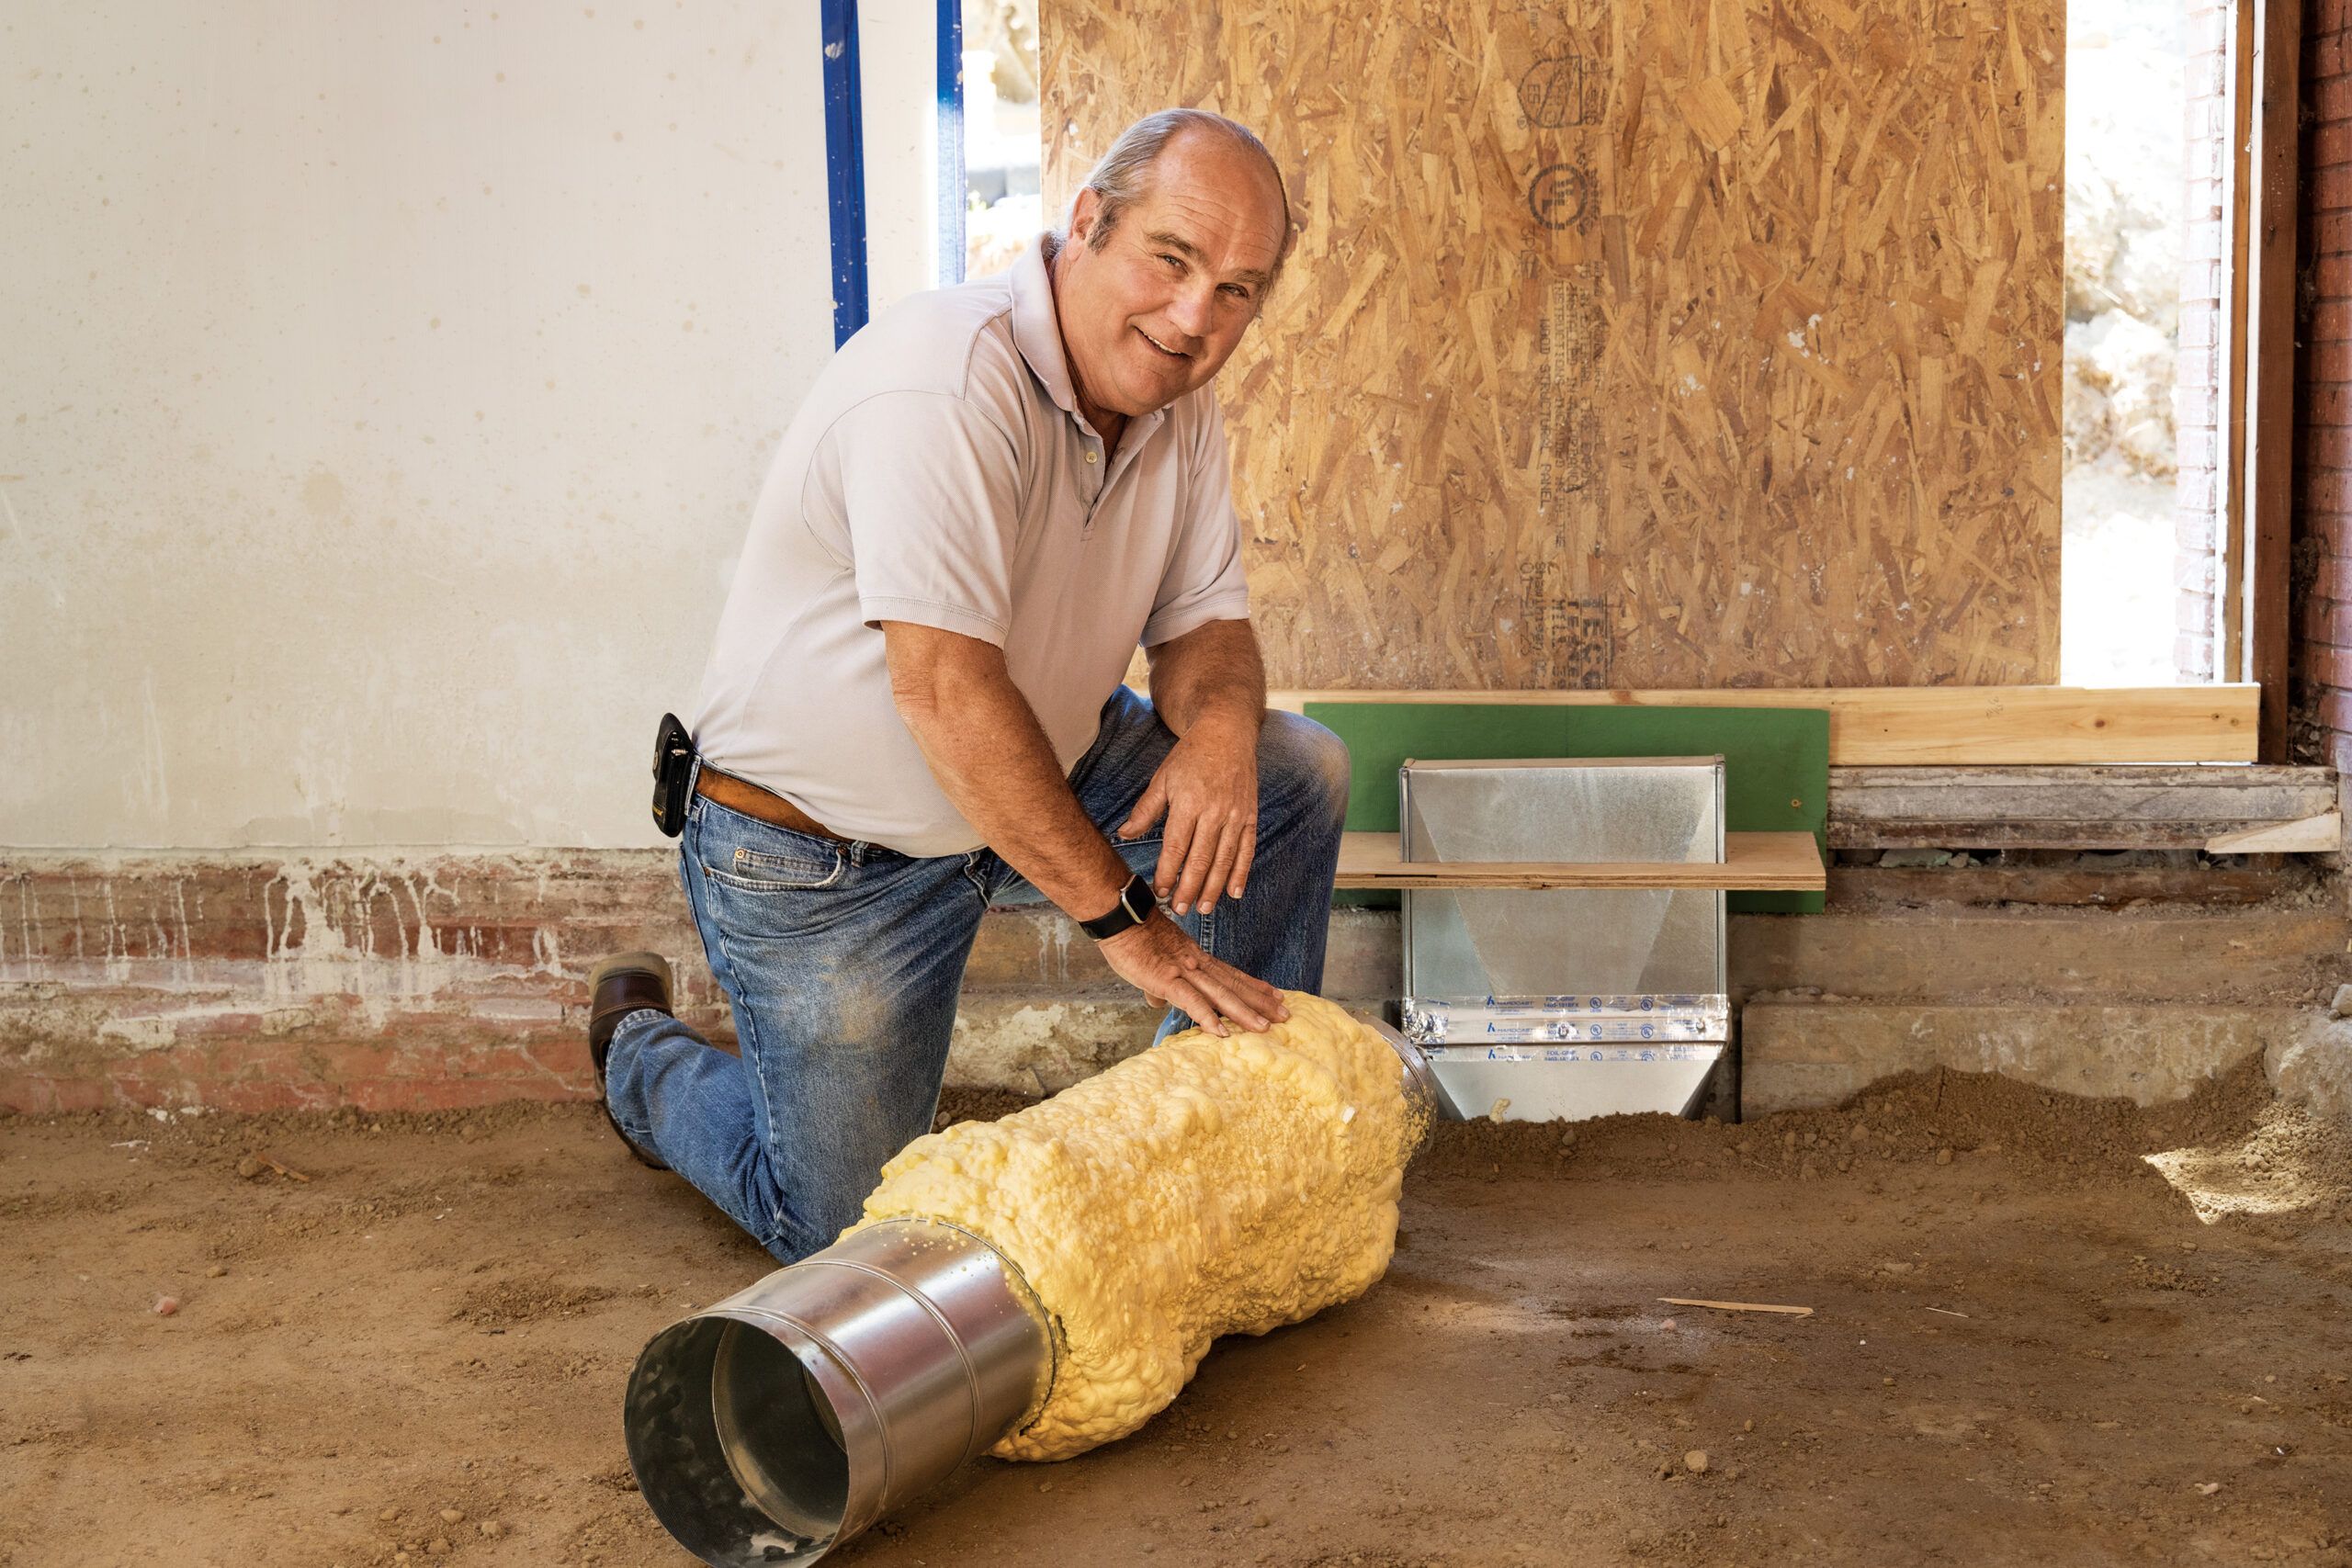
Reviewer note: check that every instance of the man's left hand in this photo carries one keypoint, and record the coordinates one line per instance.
(1207, 787)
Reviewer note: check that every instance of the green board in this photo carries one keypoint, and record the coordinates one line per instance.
(1776, 761)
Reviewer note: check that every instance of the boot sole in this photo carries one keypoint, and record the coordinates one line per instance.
(651, 964)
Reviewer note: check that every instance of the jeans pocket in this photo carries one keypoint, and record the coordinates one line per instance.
(800, 868)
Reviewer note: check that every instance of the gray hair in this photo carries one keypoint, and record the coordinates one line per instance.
(1124, 172)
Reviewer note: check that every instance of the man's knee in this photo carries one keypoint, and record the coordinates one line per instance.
(1300, 760)
(788, 1240)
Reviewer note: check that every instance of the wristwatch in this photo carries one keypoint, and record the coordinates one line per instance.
(1134, 907)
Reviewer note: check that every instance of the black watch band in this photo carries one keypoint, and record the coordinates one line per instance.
(1134, 907)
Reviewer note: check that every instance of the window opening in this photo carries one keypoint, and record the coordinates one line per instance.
(2147, 122)
(1002, 144)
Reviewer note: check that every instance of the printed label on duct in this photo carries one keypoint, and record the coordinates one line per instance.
(1498, 1019)
(1576, 1055)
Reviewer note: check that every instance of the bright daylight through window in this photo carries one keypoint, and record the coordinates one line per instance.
(2146, 134)
(1000, 133)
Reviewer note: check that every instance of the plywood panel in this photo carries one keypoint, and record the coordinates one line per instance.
(1700, 343)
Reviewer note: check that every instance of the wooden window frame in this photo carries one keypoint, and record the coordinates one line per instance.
(2257, 439)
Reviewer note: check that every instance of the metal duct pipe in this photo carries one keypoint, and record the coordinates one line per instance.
(789, 1416)
(1423, 1101)
(772, 1427)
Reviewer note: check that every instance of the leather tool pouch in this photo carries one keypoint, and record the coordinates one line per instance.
(674, 772)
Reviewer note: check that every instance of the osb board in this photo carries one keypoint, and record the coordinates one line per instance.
(1699, 343)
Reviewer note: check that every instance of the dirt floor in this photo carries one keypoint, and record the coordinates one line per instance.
(2028, 1345)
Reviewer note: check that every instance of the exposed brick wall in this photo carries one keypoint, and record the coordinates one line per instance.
(2321, 596)
(253, 985)
(2198, 382)
(241, 984)
(456, 980)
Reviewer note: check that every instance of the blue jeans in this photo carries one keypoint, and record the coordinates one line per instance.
(844, 961)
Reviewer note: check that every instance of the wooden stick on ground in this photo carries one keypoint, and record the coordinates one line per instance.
(1737, 1306)
(284, 1170)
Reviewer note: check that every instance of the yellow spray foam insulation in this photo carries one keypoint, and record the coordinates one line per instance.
(1205, 1187)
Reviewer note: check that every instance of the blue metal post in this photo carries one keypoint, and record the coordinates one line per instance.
(952, 204)
(845, 168)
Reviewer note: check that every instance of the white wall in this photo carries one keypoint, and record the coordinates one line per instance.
(386, 390)
(897, 41)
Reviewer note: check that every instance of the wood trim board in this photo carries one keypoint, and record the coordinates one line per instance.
(2204, 889)
(2322, 834)
(1770, 863)
(2230, 598)
(1947, 726)
(2270, 368)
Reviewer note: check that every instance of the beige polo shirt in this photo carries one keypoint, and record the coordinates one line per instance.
(940, 473)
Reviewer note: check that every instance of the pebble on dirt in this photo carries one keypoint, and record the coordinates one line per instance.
(219, 1270)
(492, 1528)
(166, 1305)
(2342, 1006)
(251, 1166)
(453, 1516)
(1695, 1462)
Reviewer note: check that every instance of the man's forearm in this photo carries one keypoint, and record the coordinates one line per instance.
(992, 760)
(1212, 674)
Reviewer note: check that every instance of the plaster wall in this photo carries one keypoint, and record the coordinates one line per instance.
(388, 389)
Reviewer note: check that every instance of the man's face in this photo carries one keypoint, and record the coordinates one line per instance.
(1152, 309)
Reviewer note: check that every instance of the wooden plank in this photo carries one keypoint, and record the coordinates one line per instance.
(2269, 469)
(2322, 834)
(1859, 886)
(2293, 952)
(2230, 443)
(2067, 808)
(1777, 862)
(1926, 725)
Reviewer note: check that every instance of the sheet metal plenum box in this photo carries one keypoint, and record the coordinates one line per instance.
(1501, 982)
(1462, 945)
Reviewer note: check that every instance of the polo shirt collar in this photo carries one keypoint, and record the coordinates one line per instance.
(1037, 334)
(1037, 329)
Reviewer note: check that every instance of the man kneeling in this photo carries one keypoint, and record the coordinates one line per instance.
(914, 708)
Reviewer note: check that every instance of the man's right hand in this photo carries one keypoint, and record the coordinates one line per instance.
(1166, 965)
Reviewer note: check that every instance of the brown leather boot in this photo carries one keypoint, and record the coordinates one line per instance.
(619, 986)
